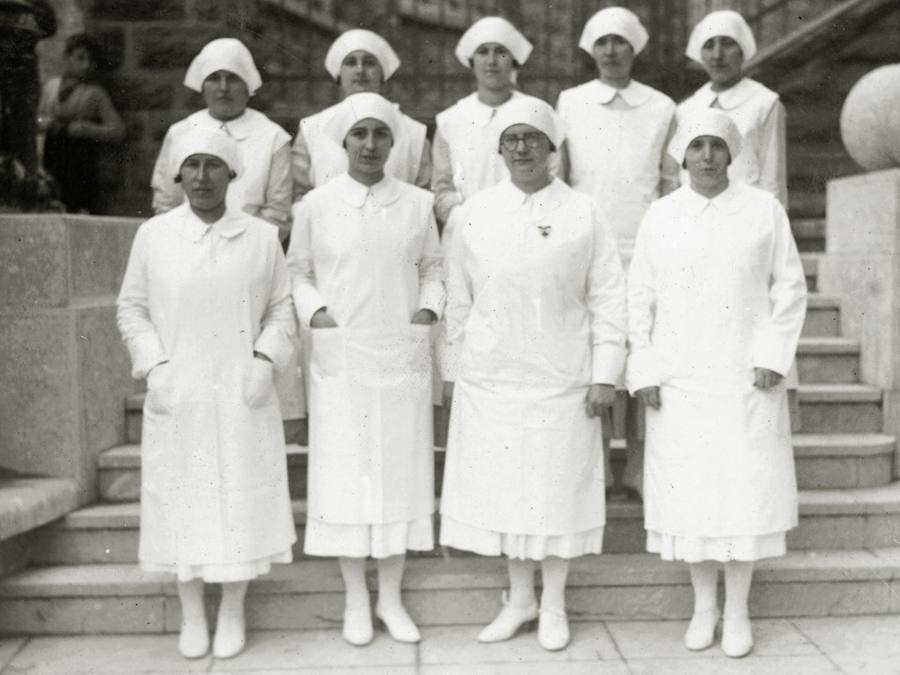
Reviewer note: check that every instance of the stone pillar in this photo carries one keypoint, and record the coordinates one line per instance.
(862, 268)
(64, 369)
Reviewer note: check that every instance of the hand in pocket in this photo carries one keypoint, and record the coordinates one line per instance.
(159, 389)
(259, 383)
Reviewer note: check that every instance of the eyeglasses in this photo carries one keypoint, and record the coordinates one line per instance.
(532, 140)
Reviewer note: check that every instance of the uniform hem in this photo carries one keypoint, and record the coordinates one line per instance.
(720, 549)
(220, 573)
(378, 540)
(519, 546)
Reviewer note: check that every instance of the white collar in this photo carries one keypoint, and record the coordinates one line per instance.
(545, 200)
(189, 225)
(729, 201)
(240, 128)
(384, 192)
(635, 94)
(729, 98)
(482, 113)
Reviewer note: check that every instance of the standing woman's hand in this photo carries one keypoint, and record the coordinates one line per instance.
(424, 317)
(763, 378)
(649, 396)
(599, 397)
(322, 319)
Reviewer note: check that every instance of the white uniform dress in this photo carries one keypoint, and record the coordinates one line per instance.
(214, 492)
(371, 255)
(465, 156)
(316, 158)
(616, 141)
(760, 118)
(715, 289)
(532, 320)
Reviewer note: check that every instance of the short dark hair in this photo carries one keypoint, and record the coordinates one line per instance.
(89, 44)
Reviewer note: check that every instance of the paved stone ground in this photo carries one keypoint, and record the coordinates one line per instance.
(867, 645)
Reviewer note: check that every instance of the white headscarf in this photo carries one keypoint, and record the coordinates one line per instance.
(207, 142)
(614, 21)
(358, 107)
(492, 29)
(358, 38)
(705, 122)
(726, 23)
(223, 54)
(535, 112)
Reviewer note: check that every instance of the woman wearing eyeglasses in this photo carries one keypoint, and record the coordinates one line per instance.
(535, 334)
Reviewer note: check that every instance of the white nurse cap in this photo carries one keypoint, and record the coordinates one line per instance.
(367, 41)
(207, 142)
(223, 54)
(492, 29)
(614, 21)
(535, 112)
(358, 107)
(705, 122)
(725, 23)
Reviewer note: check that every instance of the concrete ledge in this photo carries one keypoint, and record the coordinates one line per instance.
(28, 503)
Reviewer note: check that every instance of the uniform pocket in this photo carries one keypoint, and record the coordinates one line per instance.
(327, 357)
(259, 384)
(160, 392)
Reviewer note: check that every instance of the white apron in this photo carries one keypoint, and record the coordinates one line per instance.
(213, 479)
(372, 257)
(371, 458)
(716, 288)
(531, 322)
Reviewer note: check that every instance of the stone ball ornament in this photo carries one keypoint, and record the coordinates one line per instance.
(870, 119)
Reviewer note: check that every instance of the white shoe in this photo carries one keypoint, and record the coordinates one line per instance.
(701, 631)
(231, 637)
(398, 623)
(193, 639)
(553, 629)
(510, 619)
(737, 636)
(358, 630)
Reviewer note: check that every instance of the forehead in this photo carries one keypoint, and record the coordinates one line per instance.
(360, 54)
(521, 128)
(370, 124)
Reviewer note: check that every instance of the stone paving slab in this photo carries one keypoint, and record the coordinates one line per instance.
(8, 649)
(722, 665)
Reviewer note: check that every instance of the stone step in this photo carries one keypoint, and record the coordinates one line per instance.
(839, 408)
(823, 316)
(810, 261)
(828, 360)
(823, 461)
(442, 591)
(809, 233)
(829, 519)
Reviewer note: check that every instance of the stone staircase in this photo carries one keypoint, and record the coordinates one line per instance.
(844, 557)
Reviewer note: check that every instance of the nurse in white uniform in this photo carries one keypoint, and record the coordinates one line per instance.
(722, 43)
(465, 160)
(359, 61)
(367, 277)
(617, 134)
(716, 301)
(535, 344)
(205, 310)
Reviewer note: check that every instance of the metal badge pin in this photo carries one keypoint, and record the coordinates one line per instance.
(545, 230)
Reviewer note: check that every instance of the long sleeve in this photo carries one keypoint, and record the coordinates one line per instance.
(278, 324)
(432, 292)
(166, 192)
(775, 342)
(277, 205)
(423, 177)
(446, 196)
(773, 154)
(642, 370)
(459, 303)
(301, 165)
(133, 313)
(307, 299)
(606, 302)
